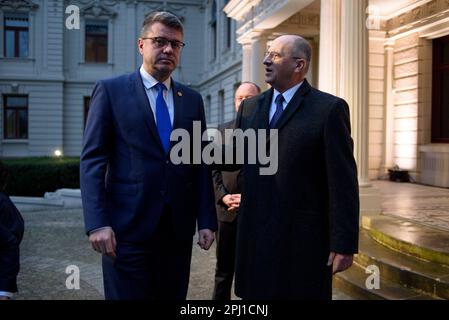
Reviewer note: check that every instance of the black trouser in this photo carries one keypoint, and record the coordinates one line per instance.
(224, 272)
(158, 269)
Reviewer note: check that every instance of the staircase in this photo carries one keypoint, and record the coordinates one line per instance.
(412, 259)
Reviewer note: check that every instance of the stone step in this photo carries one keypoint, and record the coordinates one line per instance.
(425, 276)
(409, 237)
(352, 282)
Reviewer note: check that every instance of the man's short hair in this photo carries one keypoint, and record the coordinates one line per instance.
(166, 18)
(252, 83)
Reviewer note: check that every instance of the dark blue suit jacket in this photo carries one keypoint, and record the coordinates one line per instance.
(126, 177)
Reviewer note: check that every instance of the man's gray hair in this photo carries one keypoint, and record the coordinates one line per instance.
(302, 48)
(166, 18)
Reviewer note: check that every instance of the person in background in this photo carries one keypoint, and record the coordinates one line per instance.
(227, 196)
(11, 234)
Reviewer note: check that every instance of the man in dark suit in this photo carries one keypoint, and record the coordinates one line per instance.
(11, 233)
(299, 226)
(227, 197)
(140, 208)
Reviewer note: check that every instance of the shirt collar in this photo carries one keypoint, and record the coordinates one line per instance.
(288, 95)
(149, 81)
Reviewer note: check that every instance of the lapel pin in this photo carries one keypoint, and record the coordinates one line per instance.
(180, 93)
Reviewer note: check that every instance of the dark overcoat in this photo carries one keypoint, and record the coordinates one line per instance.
(289, 222)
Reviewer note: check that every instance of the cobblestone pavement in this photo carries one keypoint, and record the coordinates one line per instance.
(54, 240)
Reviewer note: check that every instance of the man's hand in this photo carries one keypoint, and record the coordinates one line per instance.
(339, 262)
(205, 238)
(103, 241)
(232, 201)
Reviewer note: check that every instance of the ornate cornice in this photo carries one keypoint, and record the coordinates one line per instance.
(99, 9)
(18, 5)
(419, 16)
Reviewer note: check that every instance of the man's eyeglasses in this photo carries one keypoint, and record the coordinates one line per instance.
(273, 55)
(161, 42)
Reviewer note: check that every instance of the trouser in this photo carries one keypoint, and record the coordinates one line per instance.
(224, 272)
(156, 270)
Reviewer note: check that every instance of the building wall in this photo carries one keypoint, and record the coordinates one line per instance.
(406, 75)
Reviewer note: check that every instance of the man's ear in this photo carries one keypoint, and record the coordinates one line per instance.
(140, 45)
(301, 64)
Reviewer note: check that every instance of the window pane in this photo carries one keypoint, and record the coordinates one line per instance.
(102, 49)
(23, 44)
(10, 43)
(14, 102)
(23, 124)
(11, 124)
(446, 54)
(444, 116)
(20, 21)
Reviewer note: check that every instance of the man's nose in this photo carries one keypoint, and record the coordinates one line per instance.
(267, 61)
(168, 48)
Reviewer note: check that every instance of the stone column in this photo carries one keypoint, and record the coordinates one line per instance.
(246, 61)
(329, 60)
(258, 48)
(354, 89)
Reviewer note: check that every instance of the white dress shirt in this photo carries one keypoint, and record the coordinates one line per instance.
(149, 83)
(288, 95)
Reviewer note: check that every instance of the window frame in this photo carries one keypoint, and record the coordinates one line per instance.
(17, 31)
(5, 118)
(106, 37)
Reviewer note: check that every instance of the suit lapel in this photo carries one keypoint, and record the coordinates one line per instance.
(264, 109)
(294, 104)
(144, 105)
(178, 105)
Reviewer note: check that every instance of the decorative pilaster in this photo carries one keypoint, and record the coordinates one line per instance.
(389, 108)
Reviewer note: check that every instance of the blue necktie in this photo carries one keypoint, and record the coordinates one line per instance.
(163, 117)
(279, 109)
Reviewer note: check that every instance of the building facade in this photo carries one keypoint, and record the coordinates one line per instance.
(388, 59)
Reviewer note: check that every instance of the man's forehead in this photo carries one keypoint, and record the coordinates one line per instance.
(158, 29)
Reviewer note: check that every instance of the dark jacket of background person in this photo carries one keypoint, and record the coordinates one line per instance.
(225, 182)
(11, 233)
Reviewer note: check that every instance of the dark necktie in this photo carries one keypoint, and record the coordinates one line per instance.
(163, 117)
(279, 109)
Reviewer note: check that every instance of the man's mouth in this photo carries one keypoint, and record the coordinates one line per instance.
(164, 60)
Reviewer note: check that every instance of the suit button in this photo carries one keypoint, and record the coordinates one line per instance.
(167, 162)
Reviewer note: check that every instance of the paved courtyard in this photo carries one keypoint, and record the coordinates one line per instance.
(55, 239)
